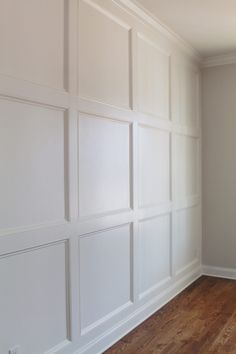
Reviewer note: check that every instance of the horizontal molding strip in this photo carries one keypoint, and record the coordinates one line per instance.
(181, 129)
(217, 60)
(99, 109)
(221, 272)
(155, 287)
(14, 88)
(187, 202)
(97, 323)
(63, 345)
(185, 269)
(154, 211)
(102, 109)
(104, 223)
(25, 239)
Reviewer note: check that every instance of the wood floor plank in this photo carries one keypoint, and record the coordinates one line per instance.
(200, 320)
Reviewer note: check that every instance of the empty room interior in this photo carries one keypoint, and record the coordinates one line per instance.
(117, 177)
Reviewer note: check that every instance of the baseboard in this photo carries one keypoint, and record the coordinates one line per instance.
(107, 339)
(221, 272)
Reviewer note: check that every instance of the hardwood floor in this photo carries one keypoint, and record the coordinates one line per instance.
(202, 319)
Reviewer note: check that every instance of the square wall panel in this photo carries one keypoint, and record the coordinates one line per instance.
(104, 165)
(33, 299)
(153, 78)
(105, 274)
(186, 169)
(186, 237)
(32, 40)
(104, 47)
(32, 164)
(154, 166)
(154, 252)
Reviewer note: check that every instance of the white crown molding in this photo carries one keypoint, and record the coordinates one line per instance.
(143, 14)
(216, 60)
(137, 10)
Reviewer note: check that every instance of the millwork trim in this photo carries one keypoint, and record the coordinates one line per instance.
(138, 11)
(217, 60)
(221, 272)
(103, 342)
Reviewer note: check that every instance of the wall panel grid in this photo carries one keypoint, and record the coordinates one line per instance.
(100, 173)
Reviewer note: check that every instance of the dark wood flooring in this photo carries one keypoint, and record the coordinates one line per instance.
(202, 319)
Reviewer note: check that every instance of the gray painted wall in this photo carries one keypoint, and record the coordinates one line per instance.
(219, 166)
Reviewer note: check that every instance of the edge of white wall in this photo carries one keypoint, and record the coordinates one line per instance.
(107, 339)
(221, 272)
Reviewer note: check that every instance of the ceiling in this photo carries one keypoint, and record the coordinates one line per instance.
(208, 25)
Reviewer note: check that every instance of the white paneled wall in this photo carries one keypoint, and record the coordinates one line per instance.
(153, 77)
(155, 263)
(100, 154)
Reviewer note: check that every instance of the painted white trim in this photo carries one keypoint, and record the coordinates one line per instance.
(107, 339)
(223, 59)
(137, 10)
(221, 272)
(58, 347)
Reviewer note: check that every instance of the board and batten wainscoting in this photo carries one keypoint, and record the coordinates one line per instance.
(100, 153)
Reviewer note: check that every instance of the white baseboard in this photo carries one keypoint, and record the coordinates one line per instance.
(221, 272)
(107, 339)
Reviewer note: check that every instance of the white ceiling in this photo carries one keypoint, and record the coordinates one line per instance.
(208, 25)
